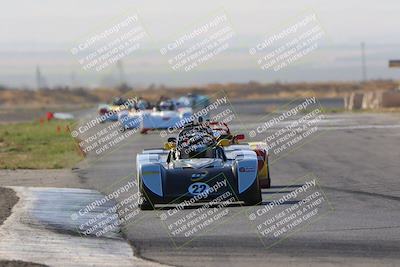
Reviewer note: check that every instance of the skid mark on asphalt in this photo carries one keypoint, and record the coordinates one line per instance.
(358, 229)
(34, 232)
(370, 194)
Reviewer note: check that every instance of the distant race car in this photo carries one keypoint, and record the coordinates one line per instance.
(222, 131)
(193, 101)
(193, 165)
(110, 112)
(164, 116)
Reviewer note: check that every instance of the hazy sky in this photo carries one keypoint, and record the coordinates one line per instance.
(55, 21)
(40, 25)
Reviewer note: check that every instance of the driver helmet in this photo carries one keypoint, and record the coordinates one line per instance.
(198, 151)
(165, 105)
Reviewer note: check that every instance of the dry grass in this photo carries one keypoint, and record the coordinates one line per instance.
(251, 90)
(37, 146)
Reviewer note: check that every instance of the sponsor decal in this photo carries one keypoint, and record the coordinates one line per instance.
(198, 176)
(247, 169)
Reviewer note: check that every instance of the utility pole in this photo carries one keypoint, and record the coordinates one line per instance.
(363, 63)
(121, 73)
(38, 78)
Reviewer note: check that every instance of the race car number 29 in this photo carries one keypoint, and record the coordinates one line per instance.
(198, 188)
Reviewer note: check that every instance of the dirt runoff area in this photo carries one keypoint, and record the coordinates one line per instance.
(19, 264)
(7, 201)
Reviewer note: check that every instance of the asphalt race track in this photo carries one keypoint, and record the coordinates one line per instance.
(355, 160)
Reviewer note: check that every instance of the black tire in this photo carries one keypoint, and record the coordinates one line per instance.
(269, 183)
(268, 176)
(253, 201)
(253, 196)
(146, 205)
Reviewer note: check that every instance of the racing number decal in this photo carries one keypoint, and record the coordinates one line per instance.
(198, 188)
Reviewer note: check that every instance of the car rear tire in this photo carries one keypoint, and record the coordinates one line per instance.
(268, 176)
(253, 200)
(146, 205)
(253, 196)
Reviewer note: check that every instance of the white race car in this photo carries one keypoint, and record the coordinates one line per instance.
(147, 120)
